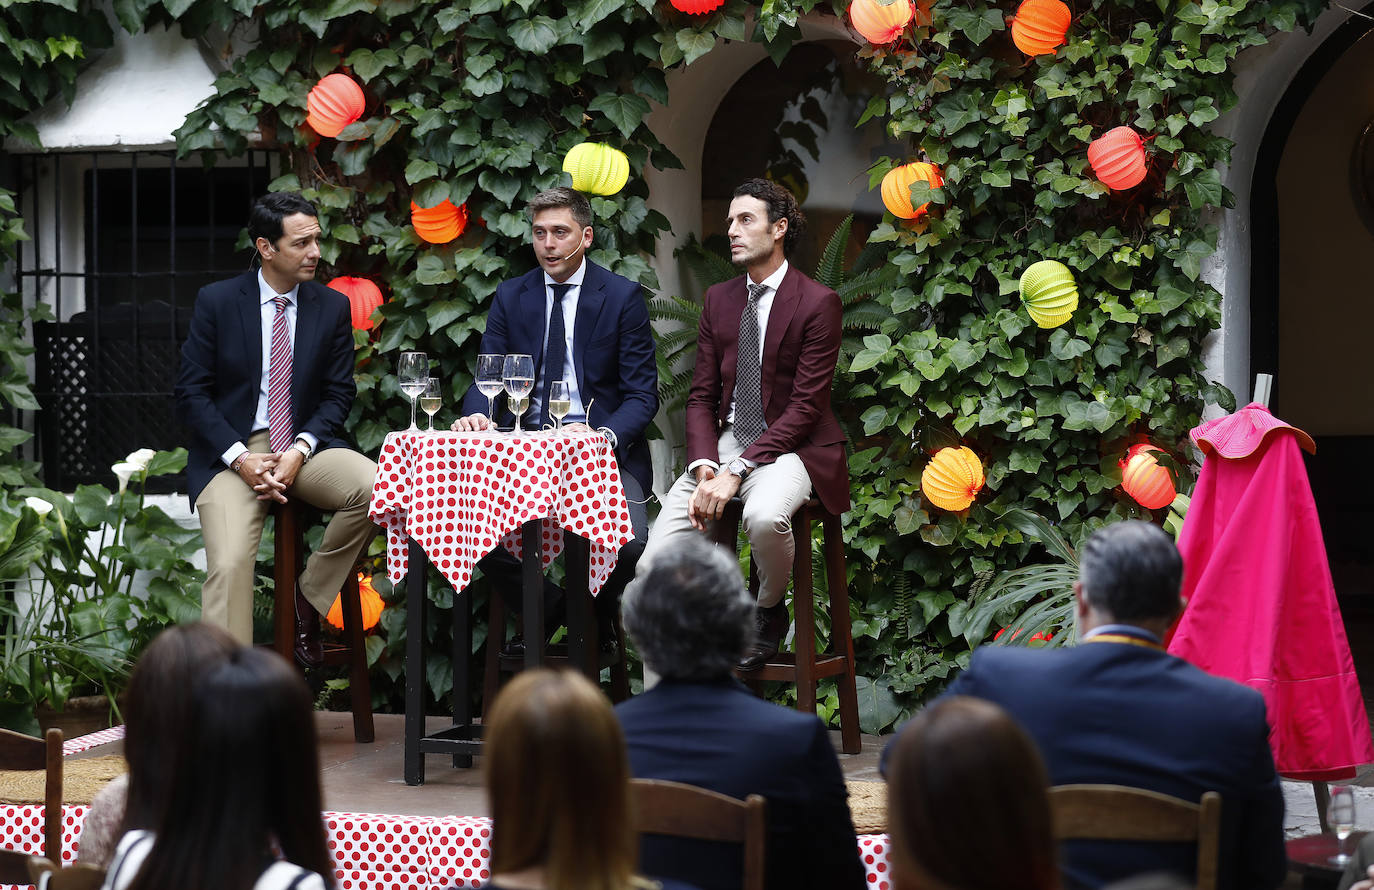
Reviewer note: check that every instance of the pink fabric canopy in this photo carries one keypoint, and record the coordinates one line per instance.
(1261, 606)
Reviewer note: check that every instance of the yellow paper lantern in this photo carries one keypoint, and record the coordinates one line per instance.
(368, 597)
(1145, 478)
(896, 188)
(597, 168)
(1050, 293)
(952, 478)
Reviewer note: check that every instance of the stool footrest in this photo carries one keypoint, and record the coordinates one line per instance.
(785, 668)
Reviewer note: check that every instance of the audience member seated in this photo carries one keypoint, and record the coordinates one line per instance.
(159, 703)
(967, 802)
(1117, 709)
(558, 788)
(243, 803)
(691, 620)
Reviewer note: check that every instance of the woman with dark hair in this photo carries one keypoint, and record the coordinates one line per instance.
(968, 803)
(558, 786)
(159, 702)
(245, 787)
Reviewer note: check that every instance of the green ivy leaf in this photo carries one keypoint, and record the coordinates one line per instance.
(535, 35)
(624, 111)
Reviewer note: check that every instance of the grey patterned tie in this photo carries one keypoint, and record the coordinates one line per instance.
(748, 385)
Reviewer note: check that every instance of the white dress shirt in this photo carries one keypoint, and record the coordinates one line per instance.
(576, 413)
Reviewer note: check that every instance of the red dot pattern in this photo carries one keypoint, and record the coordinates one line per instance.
(461, 494)
(376, 852)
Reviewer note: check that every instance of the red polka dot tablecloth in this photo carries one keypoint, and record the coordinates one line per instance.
(377, 852)
(459, 495)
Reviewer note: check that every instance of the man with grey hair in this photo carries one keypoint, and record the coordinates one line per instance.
(1119, 710)
(691, 617)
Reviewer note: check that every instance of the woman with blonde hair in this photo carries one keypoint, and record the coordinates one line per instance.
(558, 785)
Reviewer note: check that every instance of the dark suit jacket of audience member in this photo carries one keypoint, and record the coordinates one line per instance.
(720, 736)
(1126, 714)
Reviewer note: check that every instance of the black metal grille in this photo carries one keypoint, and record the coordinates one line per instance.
(121, 244)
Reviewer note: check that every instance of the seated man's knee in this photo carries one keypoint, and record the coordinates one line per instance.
(765, 521)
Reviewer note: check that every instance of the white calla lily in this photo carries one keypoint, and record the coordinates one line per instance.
(39, 506)
(124, 471)
(141, 458)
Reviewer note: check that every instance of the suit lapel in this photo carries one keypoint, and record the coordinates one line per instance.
(590, 298)
(532, 308)
(785, 303)
(250, 313)
(307, 336)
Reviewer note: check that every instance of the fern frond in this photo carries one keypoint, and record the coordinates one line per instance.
(830, 270)
(705, 266)
(679, 309)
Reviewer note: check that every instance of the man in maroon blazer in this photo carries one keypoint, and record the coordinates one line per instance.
(758, 415)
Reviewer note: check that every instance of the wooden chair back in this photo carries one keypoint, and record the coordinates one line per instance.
(677, 810)
(24, 752)
(1121, 813)
(80, 876)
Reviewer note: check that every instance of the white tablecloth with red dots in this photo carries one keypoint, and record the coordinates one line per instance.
(377, 852)
(460, 494)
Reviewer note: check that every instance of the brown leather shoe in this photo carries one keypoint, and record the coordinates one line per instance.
(309, 649)
(771, 624)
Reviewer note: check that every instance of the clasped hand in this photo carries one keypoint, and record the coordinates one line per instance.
(271, 474)
(712, 493)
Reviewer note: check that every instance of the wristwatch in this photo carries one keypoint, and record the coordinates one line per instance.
(303, 447)
(738, 467)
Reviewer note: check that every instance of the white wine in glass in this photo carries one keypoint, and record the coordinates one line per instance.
(518, 376)
(431, 399)
(1341, 816)
(560, 403)
(490, 382)
(413, 372)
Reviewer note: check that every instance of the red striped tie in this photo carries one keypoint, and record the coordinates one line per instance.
(279, 429)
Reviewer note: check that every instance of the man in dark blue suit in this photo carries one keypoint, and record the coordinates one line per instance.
(599, 341)
(691, 618)
(1117, 709)
(264, 386)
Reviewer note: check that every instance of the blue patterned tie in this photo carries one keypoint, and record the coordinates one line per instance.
(748, 374)
(557, 357)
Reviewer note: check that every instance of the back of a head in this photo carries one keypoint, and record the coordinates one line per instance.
(158, 710)
(1132, 571)
(251, 762)
(965, 779)
(690, 616)
(558, 783)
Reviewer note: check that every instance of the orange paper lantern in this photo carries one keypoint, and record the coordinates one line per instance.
(1039, 26)
(1146, 479)
(1118, 158)
(896, 188)
(879, 22)
(333, 103)
(697, 7)
(952, 478)
(370, 600)
(439, 224)
(363, 297)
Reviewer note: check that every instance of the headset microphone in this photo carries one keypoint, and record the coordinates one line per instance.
(571, 255)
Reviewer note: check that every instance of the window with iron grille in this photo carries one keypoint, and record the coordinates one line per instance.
(121, 243)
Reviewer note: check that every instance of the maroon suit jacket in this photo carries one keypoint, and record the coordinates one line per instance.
(800, 348)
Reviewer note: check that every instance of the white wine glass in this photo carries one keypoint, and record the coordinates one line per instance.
(490, 380)
(518, 375)
(1340, 815)
(560, 402)
(413, 371)
(431, 399)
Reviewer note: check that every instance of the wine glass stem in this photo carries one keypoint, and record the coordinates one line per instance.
(491, 410)
(413, 425)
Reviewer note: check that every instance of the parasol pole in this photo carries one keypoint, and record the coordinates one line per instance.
(1264, 385)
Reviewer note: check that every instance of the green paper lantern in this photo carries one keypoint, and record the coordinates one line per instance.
(1050, 293)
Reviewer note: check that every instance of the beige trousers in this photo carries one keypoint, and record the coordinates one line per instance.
(771, 494)
(231, 519)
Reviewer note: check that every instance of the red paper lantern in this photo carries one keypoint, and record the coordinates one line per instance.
(334, 103)
(363, 297)
(881, 23)
(697, 7)
(1146, 479)
(896, 188)
(1039, 26)
(1118, 158)
(439, 224)
(370, 600)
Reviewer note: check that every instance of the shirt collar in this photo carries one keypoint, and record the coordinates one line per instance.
(1129, 630)
(575, 279)
(773, 281)
(266, 294)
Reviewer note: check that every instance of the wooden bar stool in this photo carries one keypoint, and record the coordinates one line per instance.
(288, 559)
(806, 666)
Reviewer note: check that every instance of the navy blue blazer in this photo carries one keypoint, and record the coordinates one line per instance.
(720, 736)
(613, 352)
(221, 370)
(1123, 714)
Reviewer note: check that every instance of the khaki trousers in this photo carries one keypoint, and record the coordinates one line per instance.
(231, 519)
(771, 494)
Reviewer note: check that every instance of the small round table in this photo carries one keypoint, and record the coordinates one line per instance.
(1310, 857)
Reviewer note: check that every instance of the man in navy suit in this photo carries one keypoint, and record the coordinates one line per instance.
(691, 618)
(599, 341)
(265, 383)
(1117, 709)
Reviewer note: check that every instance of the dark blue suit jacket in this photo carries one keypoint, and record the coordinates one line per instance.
(1122, 714)
(720, 736)
(221, 370)
(613, 352)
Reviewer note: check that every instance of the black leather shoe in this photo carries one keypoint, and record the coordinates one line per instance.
(309, 649)
(514, 647)
(771, 624)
